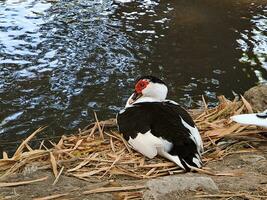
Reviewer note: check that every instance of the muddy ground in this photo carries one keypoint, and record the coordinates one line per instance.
(251, 183)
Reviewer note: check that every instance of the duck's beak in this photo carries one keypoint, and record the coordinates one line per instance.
(135, 96)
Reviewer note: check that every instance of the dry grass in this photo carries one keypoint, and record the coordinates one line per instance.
(100, 151)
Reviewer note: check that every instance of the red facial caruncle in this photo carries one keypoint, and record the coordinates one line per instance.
(140, 85)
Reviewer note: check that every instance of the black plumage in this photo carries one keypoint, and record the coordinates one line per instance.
(262, 115)
(153, 79)
(162, 119)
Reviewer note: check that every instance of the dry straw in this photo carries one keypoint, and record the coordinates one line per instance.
(102, 152)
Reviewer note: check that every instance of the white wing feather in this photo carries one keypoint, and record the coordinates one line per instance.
(195, 136)
(150, 145)
(146, 144)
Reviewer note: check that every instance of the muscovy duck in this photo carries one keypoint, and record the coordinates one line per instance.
(154, 126)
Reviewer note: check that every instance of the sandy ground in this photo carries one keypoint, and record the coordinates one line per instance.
(252, 183)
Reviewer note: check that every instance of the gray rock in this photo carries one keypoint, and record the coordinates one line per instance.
(252, 159)
(173, 187)
(257, 97)
(29, 169)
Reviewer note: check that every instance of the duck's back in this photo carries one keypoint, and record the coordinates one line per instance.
(165, 120)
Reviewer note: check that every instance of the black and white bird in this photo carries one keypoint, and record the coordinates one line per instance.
(257, 119)
(154, 126)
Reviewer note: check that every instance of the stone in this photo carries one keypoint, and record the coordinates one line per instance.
(257, 97)
(173, 187)
(252, 159)
(30, 169)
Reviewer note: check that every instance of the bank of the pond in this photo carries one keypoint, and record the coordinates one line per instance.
(98, 162)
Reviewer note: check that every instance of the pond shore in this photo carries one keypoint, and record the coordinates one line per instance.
(97, 163)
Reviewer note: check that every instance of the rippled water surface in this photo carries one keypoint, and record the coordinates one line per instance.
(61, 60)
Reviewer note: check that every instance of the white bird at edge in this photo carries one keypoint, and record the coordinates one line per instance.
(257, 119)
(153, 125)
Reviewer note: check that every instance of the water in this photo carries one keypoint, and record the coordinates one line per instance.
(60, 61)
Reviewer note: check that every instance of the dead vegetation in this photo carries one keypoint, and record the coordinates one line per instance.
(100, 151)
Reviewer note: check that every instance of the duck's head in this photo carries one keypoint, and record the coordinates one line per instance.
(148, 87)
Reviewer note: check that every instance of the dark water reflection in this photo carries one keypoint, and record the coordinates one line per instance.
(60, 61)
